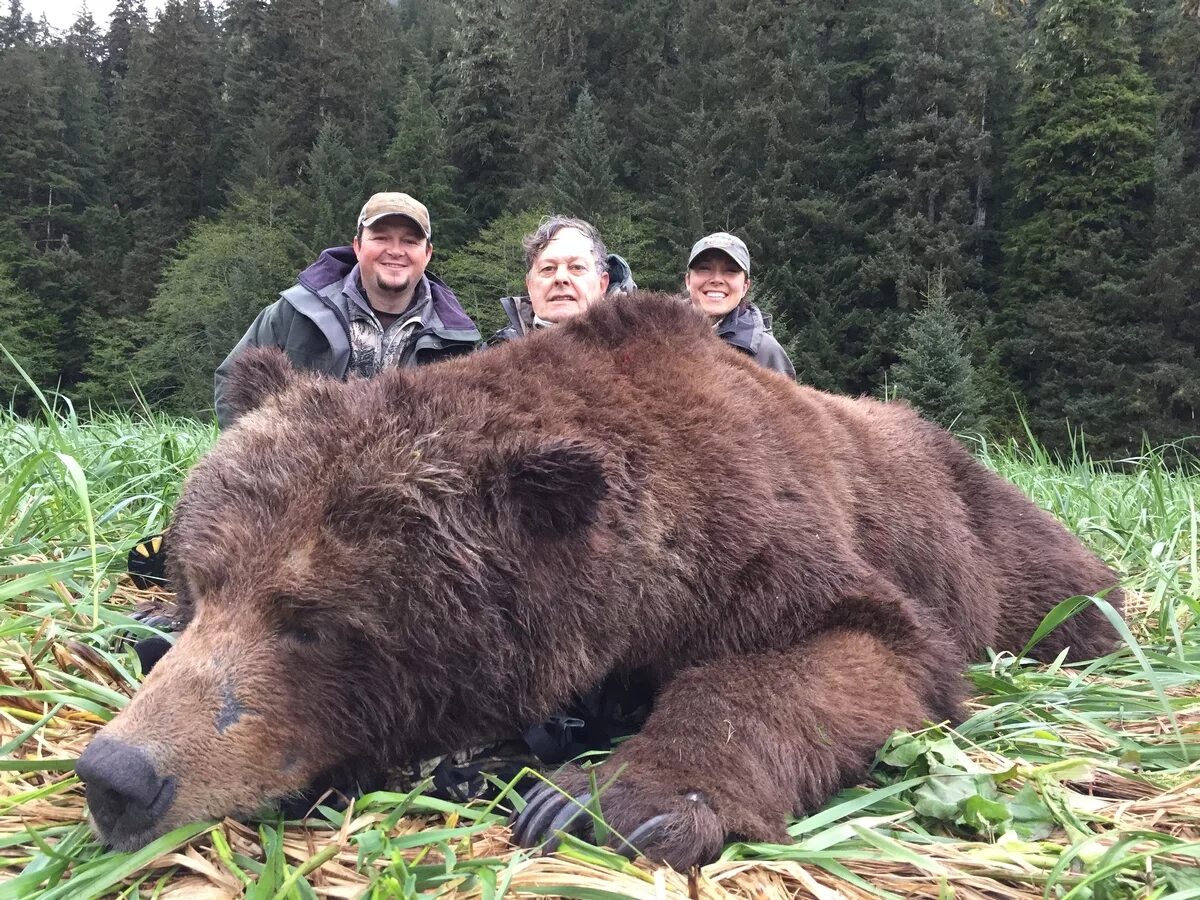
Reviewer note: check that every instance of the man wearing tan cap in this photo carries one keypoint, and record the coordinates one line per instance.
(367, 307)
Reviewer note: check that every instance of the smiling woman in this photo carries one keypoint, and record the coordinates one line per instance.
(718, 281)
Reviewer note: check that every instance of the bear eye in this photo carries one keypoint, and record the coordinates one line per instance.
(301, 634)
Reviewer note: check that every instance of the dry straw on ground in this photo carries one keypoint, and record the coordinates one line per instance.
(892, 853)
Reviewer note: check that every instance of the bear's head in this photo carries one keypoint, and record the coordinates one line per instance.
(352, 560)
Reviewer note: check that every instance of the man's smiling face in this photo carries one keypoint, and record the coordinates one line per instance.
(392, 256)
(715, 283)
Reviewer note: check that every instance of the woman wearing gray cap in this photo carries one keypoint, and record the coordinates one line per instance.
(717, 280)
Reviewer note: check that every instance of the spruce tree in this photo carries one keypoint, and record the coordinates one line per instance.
(1171, 289)
(259, 186)
(417, 162)
(334, 190)
(336, 63)
(166, 134)
(1172, 284)
(16, 28)
(1082, 187)
(934, 373)
(483, 139)
(929, 197)
(489, 267)
(126, 25)
(84, 40)
(582, 183)
(29, 333)
(1179, 53)
(245, 65)
(549, 56)
(38, 171)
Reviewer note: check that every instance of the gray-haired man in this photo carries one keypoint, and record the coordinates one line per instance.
(567, 269)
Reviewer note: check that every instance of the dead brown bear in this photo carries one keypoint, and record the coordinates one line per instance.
(385, 569)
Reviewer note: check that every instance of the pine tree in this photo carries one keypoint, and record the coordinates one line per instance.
(696, 150)
(934, 373)
(166, 134)
(334, 190)
(84, 40)
(29, 334)
(127, 24)
(1172, 284)
(628, 46)
(336, 63)
(245, 66)
(37, 170)
(929, 197)
(1180, 63)
(489, 267)
(812, 100)
(583, 183)
(417, 162)
(1171, 289)
(17, 28)
(259, 186)
(1082, 177)
(549, 55)
(76, 75)
(482, 128)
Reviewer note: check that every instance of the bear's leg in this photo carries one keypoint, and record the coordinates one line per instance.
(734, 746)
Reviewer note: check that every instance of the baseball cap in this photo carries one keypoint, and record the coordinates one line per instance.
(734, 247)
(394, 204)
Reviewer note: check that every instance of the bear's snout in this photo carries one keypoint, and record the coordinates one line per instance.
(127, 797)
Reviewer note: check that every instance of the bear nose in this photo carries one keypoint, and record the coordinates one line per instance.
(124, 793)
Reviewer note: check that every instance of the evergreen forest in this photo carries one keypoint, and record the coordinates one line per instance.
(989, 208)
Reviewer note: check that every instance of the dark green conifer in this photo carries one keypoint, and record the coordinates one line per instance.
(482, 130)
(934, 373)
(417, 162)
(1082, 189)
(582, 182)
(334, 190)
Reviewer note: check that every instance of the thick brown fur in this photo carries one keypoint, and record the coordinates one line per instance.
(438, 557)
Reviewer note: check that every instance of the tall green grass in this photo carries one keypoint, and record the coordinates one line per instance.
(1064, 782)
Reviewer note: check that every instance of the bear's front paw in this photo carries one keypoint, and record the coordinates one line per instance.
(660, 821)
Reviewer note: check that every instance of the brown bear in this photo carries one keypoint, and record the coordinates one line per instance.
(387, 569)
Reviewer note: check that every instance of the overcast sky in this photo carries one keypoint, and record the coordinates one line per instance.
(62, 13)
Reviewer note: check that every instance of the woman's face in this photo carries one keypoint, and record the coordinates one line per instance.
(715, 283)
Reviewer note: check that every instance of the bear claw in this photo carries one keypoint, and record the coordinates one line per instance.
(571, 810)
(546, 805)
(644, 834)
(551, 810)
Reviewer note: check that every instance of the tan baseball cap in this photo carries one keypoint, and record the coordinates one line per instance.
(732, 246)
(389, 203)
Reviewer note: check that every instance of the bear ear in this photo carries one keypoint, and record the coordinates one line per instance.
(554, 489)
(255, 375)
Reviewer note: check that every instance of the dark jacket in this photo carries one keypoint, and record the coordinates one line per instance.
(520, 311)
(310, 322)
(748, 329)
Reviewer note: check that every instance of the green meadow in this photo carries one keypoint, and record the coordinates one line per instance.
(1065, 781)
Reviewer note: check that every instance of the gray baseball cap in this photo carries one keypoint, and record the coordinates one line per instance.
(731, 246)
